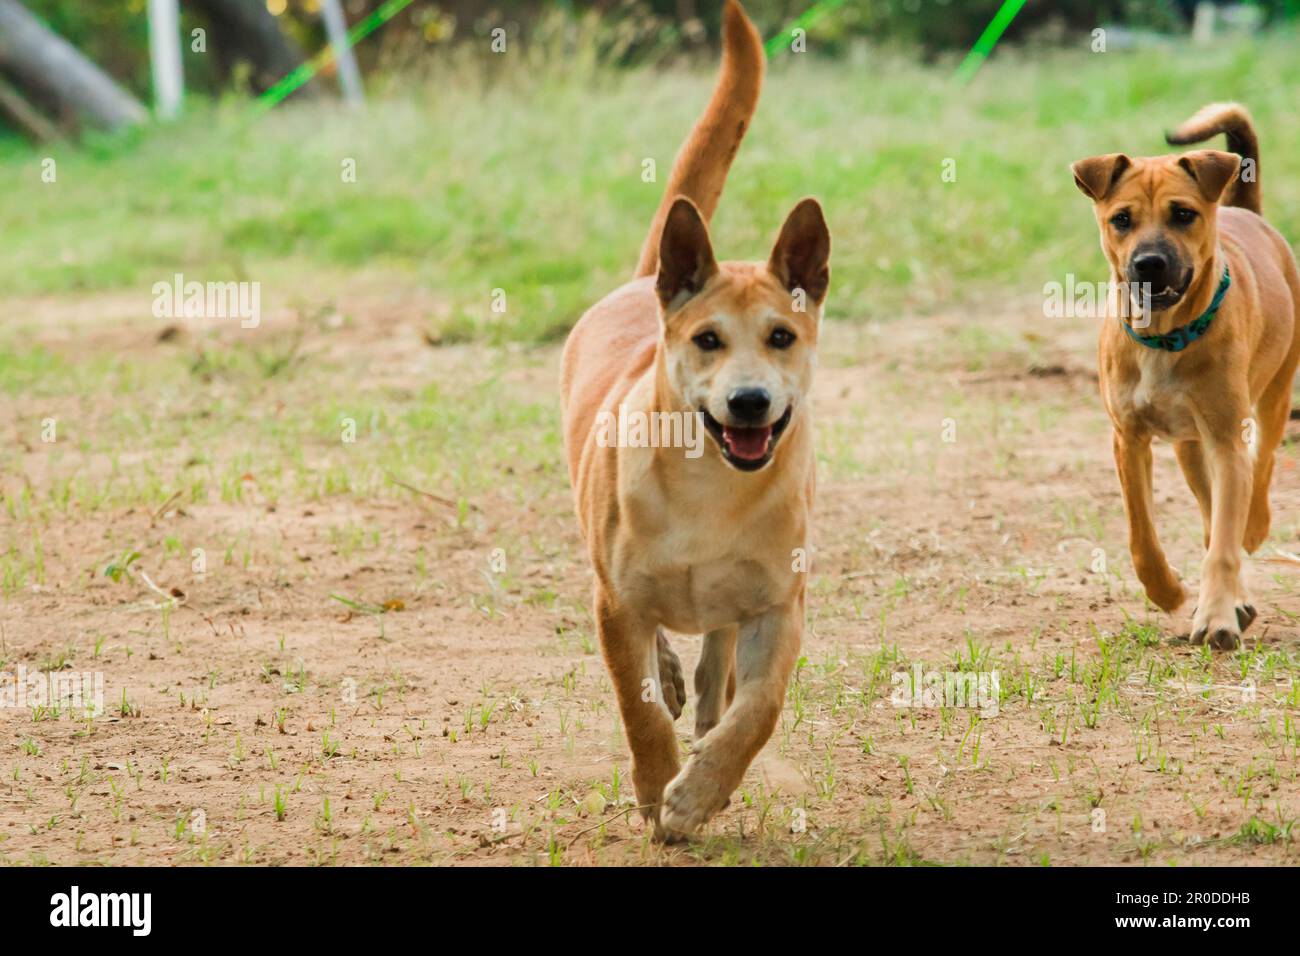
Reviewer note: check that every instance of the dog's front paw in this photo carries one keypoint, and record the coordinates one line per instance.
(671, 680)
(1221, 630)
(1246, 615)
(1255, 536)
(1220, 639)
(1165, 591)
(690, 800)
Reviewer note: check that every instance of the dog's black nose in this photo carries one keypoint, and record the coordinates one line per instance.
(749, 404)
(1149, 267)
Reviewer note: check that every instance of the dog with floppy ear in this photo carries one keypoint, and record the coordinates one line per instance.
(706, 539)
(1211, 369)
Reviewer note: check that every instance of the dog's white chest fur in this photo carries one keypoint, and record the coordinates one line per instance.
(708, 594)
(696, 573)
(1159, 400)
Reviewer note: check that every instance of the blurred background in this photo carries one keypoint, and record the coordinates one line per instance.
(114, 33)
(247, 53)
(502, 145)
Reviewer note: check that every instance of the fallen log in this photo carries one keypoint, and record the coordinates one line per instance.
(40, 60)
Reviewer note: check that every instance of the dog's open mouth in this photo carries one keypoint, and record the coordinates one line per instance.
(746, 448)
(1146, 298)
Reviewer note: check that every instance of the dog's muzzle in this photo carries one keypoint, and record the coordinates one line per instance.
(747, 447)
(1156, 280)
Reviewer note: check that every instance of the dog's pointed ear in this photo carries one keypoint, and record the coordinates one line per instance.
(1096, 176)
(1212, 169)
(801, 257)
(686, 260)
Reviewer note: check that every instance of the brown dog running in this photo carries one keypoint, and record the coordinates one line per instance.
(1212, 372)
(706, 537)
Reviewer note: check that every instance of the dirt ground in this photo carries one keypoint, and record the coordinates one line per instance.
(388, 656)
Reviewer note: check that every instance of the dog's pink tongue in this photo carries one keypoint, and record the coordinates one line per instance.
(747, 443)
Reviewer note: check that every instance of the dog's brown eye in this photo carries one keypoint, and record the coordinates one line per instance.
(708, 341)
(1121, 220)
(781, 339)
(1183, 215)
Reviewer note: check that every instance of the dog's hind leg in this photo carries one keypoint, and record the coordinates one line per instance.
(671, 680)
(1274, 410)
(1191, 458)
(1133, 462)
(631, 650)
(766, 651)
(715, 678)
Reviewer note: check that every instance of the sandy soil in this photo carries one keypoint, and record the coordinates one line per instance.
(262, 720)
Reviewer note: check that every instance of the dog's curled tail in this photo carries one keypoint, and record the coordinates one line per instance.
(1232, 120)
(702, 163)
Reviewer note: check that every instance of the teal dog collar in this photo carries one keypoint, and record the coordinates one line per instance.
(1185, 335)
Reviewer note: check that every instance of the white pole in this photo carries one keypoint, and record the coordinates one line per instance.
(165, 54)
(1203, 24)
(336, 25)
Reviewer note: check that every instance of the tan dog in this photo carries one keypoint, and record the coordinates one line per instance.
(703, 541)
(1224, 396)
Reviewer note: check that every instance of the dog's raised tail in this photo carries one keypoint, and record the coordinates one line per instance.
(1232, 120)
(702, 163)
